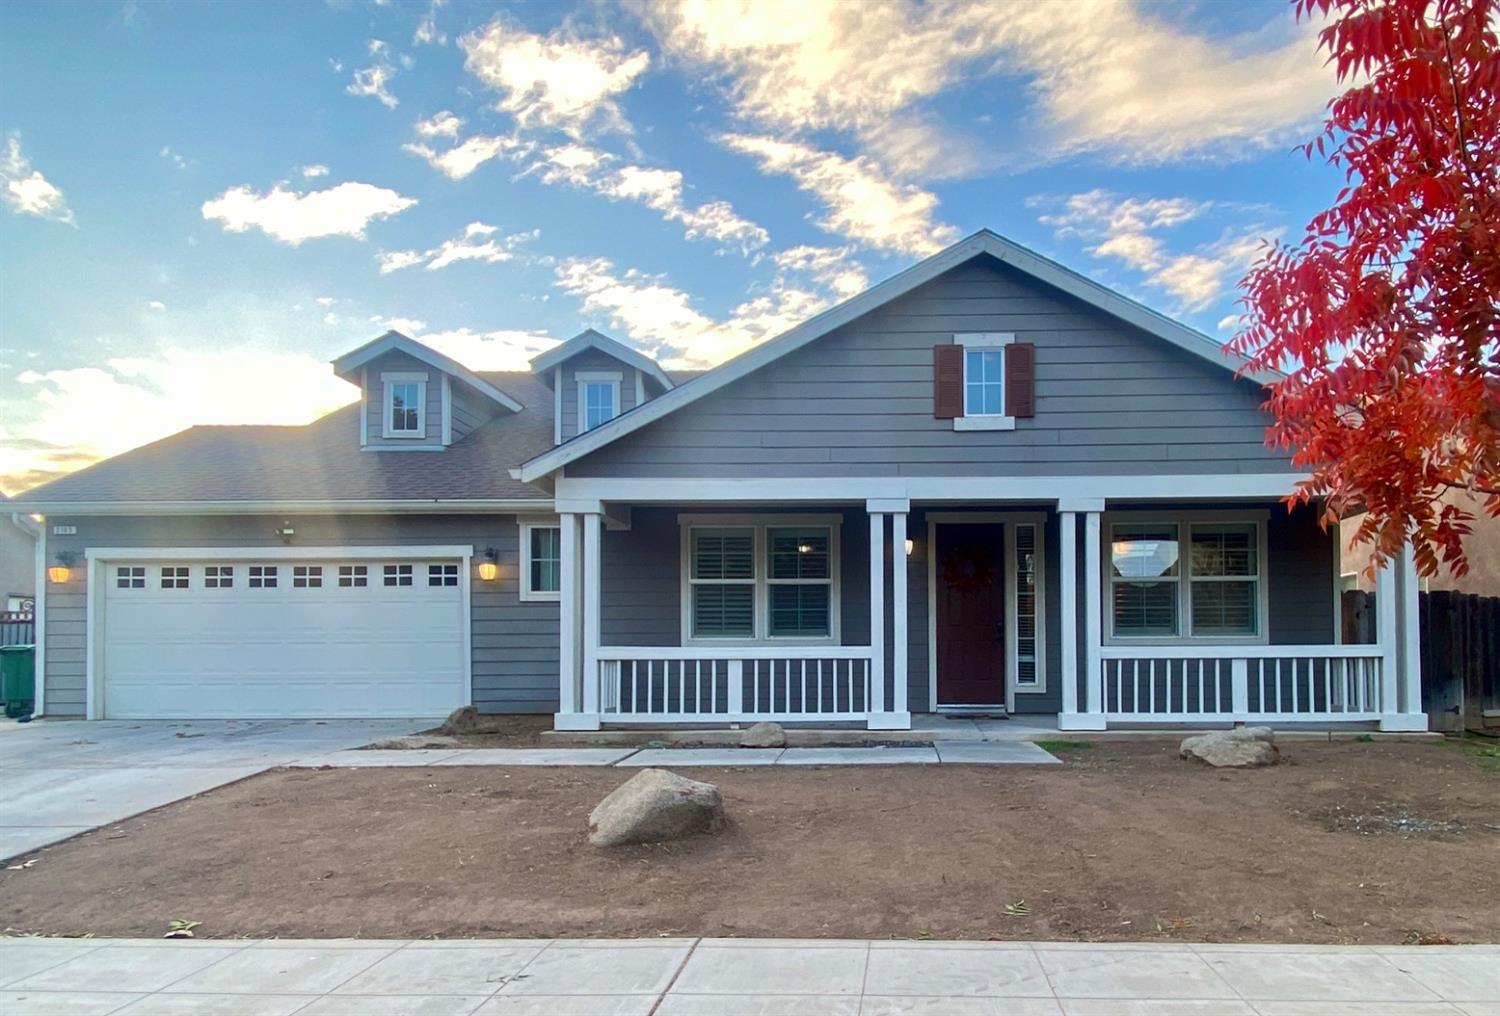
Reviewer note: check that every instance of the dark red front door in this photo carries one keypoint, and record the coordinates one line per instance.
(970, 590)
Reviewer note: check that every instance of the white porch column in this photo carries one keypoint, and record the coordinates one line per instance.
(877, 615)
(1404, 711)
(1067, 628)
(1093, 609)
(900, 622)
(591, 575)
(1091, 715)
(568, 652)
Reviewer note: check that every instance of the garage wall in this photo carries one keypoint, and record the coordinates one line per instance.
(514, 643)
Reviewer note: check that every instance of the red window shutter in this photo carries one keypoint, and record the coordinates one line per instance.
(1020, 379)
(947, 381)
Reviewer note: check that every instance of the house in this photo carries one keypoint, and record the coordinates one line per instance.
(984, 484)
(17, 561)
(1481, 547)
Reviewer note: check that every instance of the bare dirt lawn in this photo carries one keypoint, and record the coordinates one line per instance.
(1347, 842)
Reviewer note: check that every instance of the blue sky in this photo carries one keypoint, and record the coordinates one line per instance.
(204, 203)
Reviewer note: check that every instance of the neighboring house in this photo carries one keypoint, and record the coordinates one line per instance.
(1481, 547)
(985, 484)
(17, 560)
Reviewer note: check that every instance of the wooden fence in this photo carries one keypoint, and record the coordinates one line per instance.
(1460, 654)
(17, 628)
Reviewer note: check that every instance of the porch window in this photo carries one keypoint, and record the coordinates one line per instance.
(1225, 568)
(1143, 577)
(721, 578)
(799, 581)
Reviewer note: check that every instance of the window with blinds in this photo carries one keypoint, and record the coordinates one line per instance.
(1028, 659)
(721, 577)
(799, 581)
(1224, 563)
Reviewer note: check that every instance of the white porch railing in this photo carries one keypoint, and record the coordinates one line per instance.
(670, 684)
(1173, 684)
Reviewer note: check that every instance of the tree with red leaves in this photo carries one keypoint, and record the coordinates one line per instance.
(1385, 318)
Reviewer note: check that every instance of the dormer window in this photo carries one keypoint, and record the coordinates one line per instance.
(405, 404)
(598, 398)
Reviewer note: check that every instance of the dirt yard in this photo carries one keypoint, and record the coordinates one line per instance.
(1348, 842)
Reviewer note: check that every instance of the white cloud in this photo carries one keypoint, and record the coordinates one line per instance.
(557, 81)
(313, 171)
(405, 325)
(371, 81)
(1113, 76)
(663, 320)
(1128, 230)
(326, 301)
(1228, 323)
(87, 413)
(861, 201)
(175, 157)
(461, 160)
(427, 32)
(441, 124)
(27, 192)
(156, 305)
(344, 210)
(477, 243)
(506, 349)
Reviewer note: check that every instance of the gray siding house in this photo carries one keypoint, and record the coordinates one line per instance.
(986, 484)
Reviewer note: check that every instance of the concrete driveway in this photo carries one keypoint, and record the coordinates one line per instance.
(59, 778)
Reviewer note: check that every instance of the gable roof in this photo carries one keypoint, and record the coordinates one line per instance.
(981, 243)
(590, 339)
(347, 364)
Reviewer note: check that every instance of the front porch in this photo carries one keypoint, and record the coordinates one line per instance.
(876, 632)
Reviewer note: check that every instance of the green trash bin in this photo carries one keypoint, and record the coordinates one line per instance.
(18, 679)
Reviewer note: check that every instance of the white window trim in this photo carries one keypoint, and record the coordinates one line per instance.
(528, 594)
(583, 379)
(760, 613)
(1184, 521)
(388, 380)
(984, 421)
(1013, 613)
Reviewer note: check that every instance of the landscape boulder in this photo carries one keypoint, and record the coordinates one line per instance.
(463, 720)
(764, 735)
(655, 805)
(1239, 748)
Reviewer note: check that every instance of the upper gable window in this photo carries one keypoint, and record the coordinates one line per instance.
(598, 398)
(405, 405)
(984, 381)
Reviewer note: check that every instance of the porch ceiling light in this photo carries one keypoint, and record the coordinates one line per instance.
(910, 546)
(489, 568)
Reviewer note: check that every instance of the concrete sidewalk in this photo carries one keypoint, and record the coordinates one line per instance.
(738, 977)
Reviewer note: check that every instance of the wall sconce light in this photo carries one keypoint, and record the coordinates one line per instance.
(60, 572)
(489, 568)
(285, 532)
(910, 546)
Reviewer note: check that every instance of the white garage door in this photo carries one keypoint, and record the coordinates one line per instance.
(225, 639)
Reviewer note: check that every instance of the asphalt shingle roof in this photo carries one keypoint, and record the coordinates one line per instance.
(320, 461)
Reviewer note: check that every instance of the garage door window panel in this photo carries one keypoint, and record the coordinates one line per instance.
(352, 576)
(218, 576)
(174, 577)
(442, 575)
(130, 578)
(398, 575)
(262, 576)
(307, 577)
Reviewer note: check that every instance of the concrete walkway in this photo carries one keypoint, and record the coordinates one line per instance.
(738, 977)
(59, 778)
(951, 753)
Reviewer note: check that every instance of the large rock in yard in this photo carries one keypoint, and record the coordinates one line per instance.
(463, 720)
(764, 735)
(655, 805)
(1240, 748)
